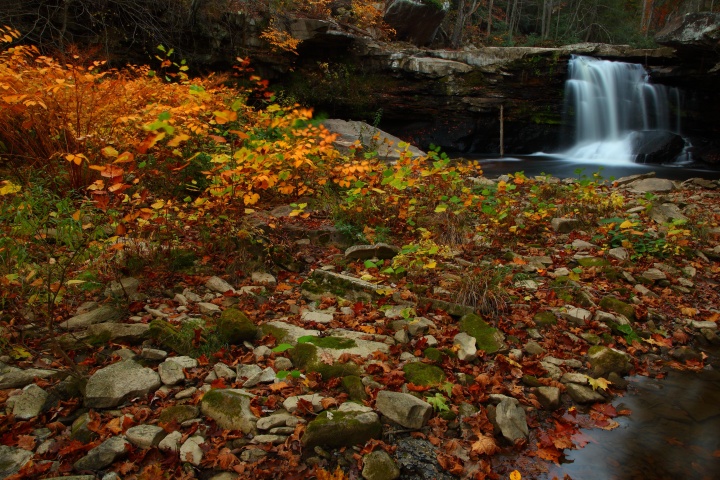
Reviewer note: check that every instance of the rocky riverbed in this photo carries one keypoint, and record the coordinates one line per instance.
(328, 363)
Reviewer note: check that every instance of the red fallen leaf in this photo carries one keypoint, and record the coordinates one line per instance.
(417, 388)
(127, 467)
(95, 423)
(550, 454)
(197, 337)
(74, 447)
(26, 442)
(716, 454)
(328, 402)
(32, 470)
(606, 409)
(218, 383)
(304, 406)
(203, 360)
(225, 459)
(674, 441)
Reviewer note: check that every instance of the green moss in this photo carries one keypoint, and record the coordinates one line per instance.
(170, 337)
(178, 413)
(618, 306)
(305, 356)
(531, 381)
(332, 342)
(234, 327)
(423, 374)
(276, 332)
(100, 339)
(432, 353)
(337, 429)
(488, 338)
(354, 387)
(592, 262)
(229, 409)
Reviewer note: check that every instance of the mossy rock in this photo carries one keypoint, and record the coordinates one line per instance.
(170, 337)
(489, 339)
(276, 332)
(337, 343)
(234, 327)
(618, 306)
(433, 354)
(178, 413)
(337, 429)
(354, 387)
(305, 356)
(545, 318)
(230, 409)
(592, 262)
(424, 374)
(604, 360)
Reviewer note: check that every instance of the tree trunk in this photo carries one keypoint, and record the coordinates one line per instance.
(490, 18)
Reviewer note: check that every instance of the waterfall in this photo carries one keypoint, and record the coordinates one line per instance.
(618, 115)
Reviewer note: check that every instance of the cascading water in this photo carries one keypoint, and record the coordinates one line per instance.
(617, 113)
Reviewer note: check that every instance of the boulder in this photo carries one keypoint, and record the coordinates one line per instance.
(370, 137)
(379, 465)
(659, 185)
(416, 21)
(99, 315)
(510, 418)
(190, 450)
(656, 146)
(13, 377)
(30, 403)
(12, 460)
(467, 351)
(404, 409)
(103, 455)
(230, 409)
(489, 339)
(234, 327)
(110, 386)
(423, 374)
(145, 436)
(119, 332)
(604, 360)
(583, 394)
(695, 33)
(337, 429)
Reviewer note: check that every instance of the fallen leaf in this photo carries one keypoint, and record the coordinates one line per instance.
(485, 445)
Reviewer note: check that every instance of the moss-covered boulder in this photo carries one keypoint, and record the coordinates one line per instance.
(337, 429)
(354, 387)
(423, 374)
(323, 283)
(306, 356)
(604, 360)
(170, 337)
(230, 409)
(618, 306)
(592, 262)
(234, 327)
(337, 343)
(433, 354)
(488, 338)
(379, 465)
(178, 413)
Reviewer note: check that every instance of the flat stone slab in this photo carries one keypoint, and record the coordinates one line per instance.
(112, 385)
(99, 315)
(13, 377)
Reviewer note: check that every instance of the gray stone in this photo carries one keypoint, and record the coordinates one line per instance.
(103, 455)
(126, 287)
(100, 315)
(510, 418)
(653, 185)
(666, 213)
(207, 308)
(533, 348)
(576, 315)
(692, 34)
(190, 450)
(13, 377)
(263, 278)
(654, 274)
(119, 332)
(322, 283)
(467, 351)
(582, 245)
(619, 253)
(264, 376)
(171, 373)
(553, 371)
(12, 460)
(529, 285)
(336, 429)
(283, 363)
(223, 371)
(378, 465)
(274, 439)
(549, 397)
(291, 403)
(273, 421)
(317, 317)
(420, 326)
(30, 402)
(404, 409)
(698, 324)
(153, 354)
(217, 284)
(110, 386)
(230, 408)
(402, 336)
(583, 394)
(145, 436)
(184, 361)
(365, 252)
(248, 371)
(564, 225)
(351, 131)
(171, 443)
(571, 377)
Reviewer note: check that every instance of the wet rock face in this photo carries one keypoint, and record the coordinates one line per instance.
(657, 146)
(418, 460)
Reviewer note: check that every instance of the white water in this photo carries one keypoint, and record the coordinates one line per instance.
(608, 102)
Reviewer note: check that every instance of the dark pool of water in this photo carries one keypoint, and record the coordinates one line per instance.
(557, 166)
(673, 433)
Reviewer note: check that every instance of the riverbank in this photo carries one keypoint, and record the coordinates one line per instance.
(468, 355)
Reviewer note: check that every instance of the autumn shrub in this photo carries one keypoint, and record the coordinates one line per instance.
(480, 287)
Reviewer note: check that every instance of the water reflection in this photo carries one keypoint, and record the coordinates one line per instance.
(673, 433)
